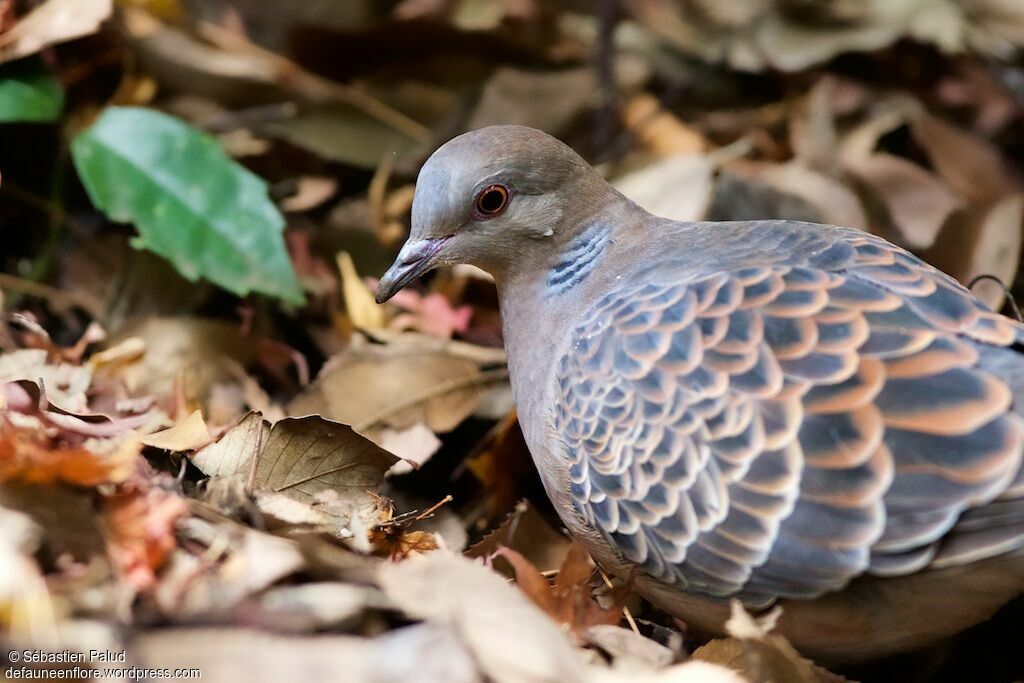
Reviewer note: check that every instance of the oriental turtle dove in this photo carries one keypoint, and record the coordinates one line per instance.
(771, 411)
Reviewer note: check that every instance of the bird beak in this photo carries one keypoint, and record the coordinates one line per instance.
(415, 259)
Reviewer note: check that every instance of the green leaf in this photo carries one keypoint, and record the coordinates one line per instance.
(192, 204)
(29, 92)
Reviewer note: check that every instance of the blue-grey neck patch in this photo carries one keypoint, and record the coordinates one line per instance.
(579, 258)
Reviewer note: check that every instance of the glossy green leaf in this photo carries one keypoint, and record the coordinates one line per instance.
(193, 205)
(29, 93)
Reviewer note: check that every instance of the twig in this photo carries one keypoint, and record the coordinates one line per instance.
(625, 610)
(485, 377)
(315, 87)
(608, 15)
(52, 294)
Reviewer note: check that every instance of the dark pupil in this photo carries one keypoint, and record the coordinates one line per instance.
(492, 201)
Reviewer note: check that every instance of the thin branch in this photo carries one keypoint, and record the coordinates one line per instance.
(315, 87)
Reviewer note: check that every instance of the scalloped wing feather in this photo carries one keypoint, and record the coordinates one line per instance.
(777, 429)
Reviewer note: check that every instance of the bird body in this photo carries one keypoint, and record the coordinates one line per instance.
(771, 411)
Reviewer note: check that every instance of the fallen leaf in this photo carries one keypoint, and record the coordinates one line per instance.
(54, 21)
(422, 652)
(413, 445)
(529, 534)
(677, 187)
(982, 241)
(628, 648)
(510, 638)
(432, 314)
(759, 655)
(303, 458)
(29, 454)
(234, 563)
(836, 202)
(969, 164)
(569, 601)
(310, 192)
(917, 201)
(413, 378)
(189, 434)
(309, 607)
(139, 522)
(658, 130)
(362, 310)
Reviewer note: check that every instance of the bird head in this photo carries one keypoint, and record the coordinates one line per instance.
(494, 197)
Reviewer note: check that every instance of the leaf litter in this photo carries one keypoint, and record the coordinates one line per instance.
(282, 492)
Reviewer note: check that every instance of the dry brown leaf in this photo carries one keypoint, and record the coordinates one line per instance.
(27, 610)
(501, 463)
(982, 241)
(510, 638)
(627, 648)
(677, 187)
(659, 131)
(413, 378)
(189, 434)
(234, 563)
(760, 656)
(836, 202)
(304, 459)
(310, 192)
(195, 351)
(569, 601)
(55, 21)
(31, 452)
(917, 201)
(413, 445)
(528, 533)
(969, 164)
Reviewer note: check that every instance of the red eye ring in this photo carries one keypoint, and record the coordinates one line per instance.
(491, 201)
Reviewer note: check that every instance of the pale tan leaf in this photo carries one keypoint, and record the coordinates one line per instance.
(918, 202)
(52, 22)
(512, 640)
(187, 435)
(412, 379)
(677, 187)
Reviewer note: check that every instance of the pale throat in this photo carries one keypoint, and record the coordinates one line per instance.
(577, 259)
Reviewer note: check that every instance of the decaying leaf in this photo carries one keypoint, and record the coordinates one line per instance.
(526, 532)
(760, 656)
(233, 562)
(677, 187)
(659, 131)
(139, 522)
(310, 460)
(510, 638)
(41, 445)
(413, 378)
(54, 21)
(423, 652)
(362, 310)
(569, 600)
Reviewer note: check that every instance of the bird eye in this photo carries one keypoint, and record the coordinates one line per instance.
(491, 201)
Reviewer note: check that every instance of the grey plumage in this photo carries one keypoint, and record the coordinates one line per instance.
(760, 410)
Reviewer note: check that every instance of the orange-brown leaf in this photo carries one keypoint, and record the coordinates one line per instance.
(139, 528)
(28, 454)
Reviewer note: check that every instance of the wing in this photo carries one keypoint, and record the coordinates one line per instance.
(774, 431)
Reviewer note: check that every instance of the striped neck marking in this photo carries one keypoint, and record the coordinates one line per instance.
(579, 259)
